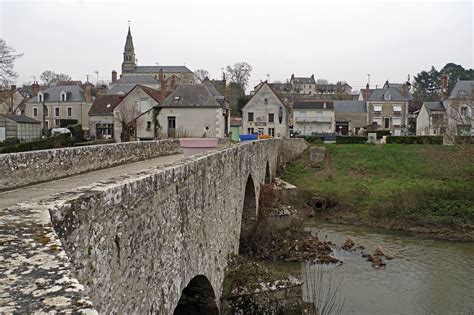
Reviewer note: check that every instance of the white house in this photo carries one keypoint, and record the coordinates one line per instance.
(431, 119)
(314, 117)
(265, 114)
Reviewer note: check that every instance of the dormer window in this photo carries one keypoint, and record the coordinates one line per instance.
(40, 97)
(266, 101)
(63, 96)
(464, 111)
(387, 96)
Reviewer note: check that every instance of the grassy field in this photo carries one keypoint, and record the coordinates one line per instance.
(393, 185)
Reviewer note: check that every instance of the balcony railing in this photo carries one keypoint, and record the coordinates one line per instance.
(313, 119)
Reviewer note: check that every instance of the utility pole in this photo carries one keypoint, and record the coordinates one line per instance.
(87, 76)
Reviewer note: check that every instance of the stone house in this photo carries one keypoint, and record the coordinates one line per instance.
(21, 127)
(135, 112)
(313, 117)
(194, 110)
(10, 101)
(265, 114)
(101, 116)
(351, 117)
(65, 101)
(431, 119)
(388, 108)
(303, 85)
(459, 109)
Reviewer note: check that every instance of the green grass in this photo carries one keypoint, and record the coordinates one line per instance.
(422, 184)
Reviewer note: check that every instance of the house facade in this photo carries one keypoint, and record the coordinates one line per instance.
(101, 116)
(303, 85)
(68, 102)
(313, 117)
(351, 117)
(459, 109)
(431, 119)
(265, 114)
(194, 110)
(388, 108)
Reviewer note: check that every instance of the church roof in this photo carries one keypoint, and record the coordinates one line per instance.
(136, 79)
(129, 43)
(165, 69)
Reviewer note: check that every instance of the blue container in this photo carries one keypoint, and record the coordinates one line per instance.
(247, 137)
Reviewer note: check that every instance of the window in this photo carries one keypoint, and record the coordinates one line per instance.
(266, 101)
(46, 124)
(377, 108)
(271, 132)
(63, 96)
(40, 97)
(378, 121)
(387, 122)
(69, 112)
(148, 125)
(464, 111)
(35, 111)
(250, 116)
(396, 121)
(271, 118)
(397, 109)
(56, 112)
(57, 122)
(261, 131)
(46, 111)
(144, 105)
(387, 96)
(250, 131)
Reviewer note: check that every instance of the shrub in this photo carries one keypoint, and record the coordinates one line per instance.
(9, 141)
(313, 139)
(60, 141)
(381, 133)
(77, 132)
(351, 140)
(415, 139)
(65, 123)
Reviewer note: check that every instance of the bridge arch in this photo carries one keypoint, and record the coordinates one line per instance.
(198, 297)
(249, 212)
(268, 174)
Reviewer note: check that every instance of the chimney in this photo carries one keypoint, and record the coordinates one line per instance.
(101, 90)
(444, 87)
(114, 76)
(173, 83)
(404, 89)
(88, 91)
(366, 92)
(160, 74)
(163, 87)
(223, 85)
(35, 88)
(386, 85)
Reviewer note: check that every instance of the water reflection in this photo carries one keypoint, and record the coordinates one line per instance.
(425, 276)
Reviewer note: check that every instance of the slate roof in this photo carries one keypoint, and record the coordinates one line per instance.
(156, 69)
(462, 89)
(22, 119)
(121, 89)
(378, 95)
(350, 107)
(105, 104)
(434, 106)
(313, 105)
(194, 95)
(303, 80)
(136, 79)
(154, 94)
(53, 93)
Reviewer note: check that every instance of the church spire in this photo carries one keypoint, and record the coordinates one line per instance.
(128, 64)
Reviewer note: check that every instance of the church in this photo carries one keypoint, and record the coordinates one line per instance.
(181, 74)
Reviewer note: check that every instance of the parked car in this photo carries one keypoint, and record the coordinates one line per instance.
(60, 131)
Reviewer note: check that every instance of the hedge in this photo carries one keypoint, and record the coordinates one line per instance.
(9, 141)
(381, 133)
(313, 139)
(63, 140)
(77, 132)
(351, 140)
(415, 139)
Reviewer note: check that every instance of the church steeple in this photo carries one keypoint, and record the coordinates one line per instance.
(128, 64)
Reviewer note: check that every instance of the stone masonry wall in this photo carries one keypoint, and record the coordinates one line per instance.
(135, 242)
(20, 169)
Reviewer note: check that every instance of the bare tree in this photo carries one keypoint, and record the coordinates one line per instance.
(239, 74)
(49, 77)
(200, 75)
(127, 117)
(7, 62)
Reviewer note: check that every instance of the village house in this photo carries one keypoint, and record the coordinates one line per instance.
(431, 119)
(10, 101)
(459, 106)
(133, 115)
(101, 116)
(313, 117)
(265, 113)
(194, 110)
(388, 108)
(351, 117)
(303, 85)
(20, 127)
(67, 101)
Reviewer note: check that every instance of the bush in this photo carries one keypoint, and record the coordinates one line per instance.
(415, 139)
(313, 139)
(351, 140)
(60, 141)
(77, 132)
(381, 133)
(9, 141)
(65, 123)
(465, 140)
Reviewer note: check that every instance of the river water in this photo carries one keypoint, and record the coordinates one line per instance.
(424, 277)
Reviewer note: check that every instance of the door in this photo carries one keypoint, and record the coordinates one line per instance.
(171, 126)
(387, 122)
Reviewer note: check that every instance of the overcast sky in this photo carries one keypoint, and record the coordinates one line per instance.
(335, 40)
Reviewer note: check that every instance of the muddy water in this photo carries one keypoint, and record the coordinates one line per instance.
(424, 277)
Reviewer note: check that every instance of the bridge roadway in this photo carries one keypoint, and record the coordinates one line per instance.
(39, 191)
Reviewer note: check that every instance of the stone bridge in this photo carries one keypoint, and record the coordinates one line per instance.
(155, 241)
